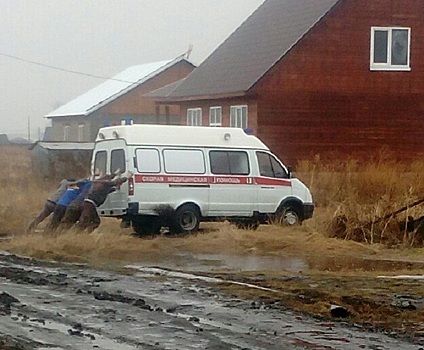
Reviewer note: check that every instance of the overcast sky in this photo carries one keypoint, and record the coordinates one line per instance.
(99, 37)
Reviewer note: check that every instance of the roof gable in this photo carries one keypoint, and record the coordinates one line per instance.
(113, 88)
(254, 48)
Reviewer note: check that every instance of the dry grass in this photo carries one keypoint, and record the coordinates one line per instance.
(22, 194)
(109, 245)
(358, 192)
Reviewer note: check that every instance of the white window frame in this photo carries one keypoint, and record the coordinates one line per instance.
(81, 128)
(194, 116)
(184, 161)
(388, 66)
(66, 133)
(148, 160)
(238, 119)
(215, 116)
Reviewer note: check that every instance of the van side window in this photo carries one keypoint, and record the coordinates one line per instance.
(147, 160)
(100, 161)
(229, 163)
(184, 161)
(270, 167)
(117, 161)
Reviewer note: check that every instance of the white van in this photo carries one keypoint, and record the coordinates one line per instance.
(200, 174)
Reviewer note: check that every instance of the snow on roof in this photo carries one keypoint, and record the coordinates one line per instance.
(111, 89)
(66, 145)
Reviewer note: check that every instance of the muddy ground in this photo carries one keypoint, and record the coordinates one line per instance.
(65, 306)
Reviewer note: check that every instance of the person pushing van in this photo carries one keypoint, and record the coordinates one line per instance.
(89, 219)
(50, 204)
(70, 194)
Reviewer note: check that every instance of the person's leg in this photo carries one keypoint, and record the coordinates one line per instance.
(94, 220)
(48, 208)
(72, 214)
(85, 217)
(57, 217)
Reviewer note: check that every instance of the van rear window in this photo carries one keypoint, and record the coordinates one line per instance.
(229, 163)
(184, 161)
(100, 161)
(117, 161)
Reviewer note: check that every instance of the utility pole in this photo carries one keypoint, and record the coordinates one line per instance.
(29, 129)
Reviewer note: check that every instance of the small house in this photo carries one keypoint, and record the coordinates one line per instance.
(120, 100)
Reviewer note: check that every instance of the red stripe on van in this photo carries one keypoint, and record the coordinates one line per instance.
(209, 180)
(171, 179)
(267, 181)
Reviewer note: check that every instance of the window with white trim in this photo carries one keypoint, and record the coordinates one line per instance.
(81, 128)
(215, 116)
(66, 133)
(239, 117)
(147, 160)
(390, 48)
(194, 116)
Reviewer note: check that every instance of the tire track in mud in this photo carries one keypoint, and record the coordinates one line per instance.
(53, 306)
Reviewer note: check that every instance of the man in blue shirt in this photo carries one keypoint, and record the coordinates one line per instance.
(50, 204)
(71, 193)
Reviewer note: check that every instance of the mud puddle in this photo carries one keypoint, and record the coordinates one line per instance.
(52, 306)
(234, 263)
(207, 263)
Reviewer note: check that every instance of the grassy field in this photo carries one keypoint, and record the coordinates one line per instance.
(359, 193)
(344, 260)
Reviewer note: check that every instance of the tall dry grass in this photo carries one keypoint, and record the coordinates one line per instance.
(359, 192)
(353, 196)
(22, 192)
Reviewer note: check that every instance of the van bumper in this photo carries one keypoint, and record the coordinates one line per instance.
(133, 208)
(308, 211)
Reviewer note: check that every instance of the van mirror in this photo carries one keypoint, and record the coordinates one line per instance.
(289, 172)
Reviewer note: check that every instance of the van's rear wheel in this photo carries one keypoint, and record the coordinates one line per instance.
(146, 225)
(187, 219)
(246, 224)
(288, 216)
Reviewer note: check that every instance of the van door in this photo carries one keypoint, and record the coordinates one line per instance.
(111, 158)
(273, 184)
(180, 178)
(232, 192)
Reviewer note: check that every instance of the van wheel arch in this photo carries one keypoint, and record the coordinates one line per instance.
(289, 212)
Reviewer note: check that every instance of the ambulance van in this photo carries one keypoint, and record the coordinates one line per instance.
(199, 174)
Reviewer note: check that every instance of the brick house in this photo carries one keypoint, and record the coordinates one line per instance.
(316, 77)
(120, 100)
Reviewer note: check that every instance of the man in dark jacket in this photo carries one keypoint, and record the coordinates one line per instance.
(89, 219)
(73, 211)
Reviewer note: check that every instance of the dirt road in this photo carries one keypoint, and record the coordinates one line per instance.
(52, 306)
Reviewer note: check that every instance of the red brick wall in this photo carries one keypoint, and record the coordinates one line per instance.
(322, 97)
(225, 104)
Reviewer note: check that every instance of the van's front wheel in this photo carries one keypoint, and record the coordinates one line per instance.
(187, 219)
(289, 216)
